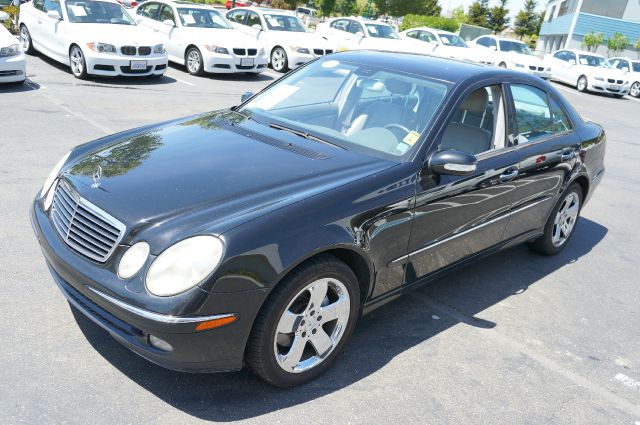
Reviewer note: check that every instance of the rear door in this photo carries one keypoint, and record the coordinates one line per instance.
(548, 150)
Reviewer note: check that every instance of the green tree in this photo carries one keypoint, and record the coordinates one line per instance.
(498, 17)
(478, 12)
(637, 46)
(416, 7)
(592, 41)
(440, 22)
(459, 16)
(347, 7)
(327, 7)
(527, 20)
(541, 16)
(617, 43)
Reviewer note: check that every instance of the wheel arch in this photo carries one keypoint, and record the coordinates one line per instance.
(584, 184)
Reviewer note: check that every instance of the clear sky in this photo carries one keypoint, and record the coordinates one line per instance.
(514, 6)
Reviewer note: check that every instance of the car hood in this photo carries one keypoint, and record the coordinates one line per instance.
(593, 71)
(135, 35)
(208, 174)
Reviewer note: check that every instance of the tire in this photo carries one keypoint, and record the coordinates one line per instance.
(289, 324)
(635, 89)
(502, 65)
(193, 61)
(582, 84)
(618, 96)
(26, 41)
(78, 63)
(566, 212)
(279, 60)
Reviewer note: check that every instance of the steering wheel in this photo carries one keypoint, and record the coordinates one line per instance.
(396, 127)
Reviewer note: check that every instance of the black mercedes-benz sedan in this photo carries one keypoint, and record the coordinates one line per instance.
(258, 235)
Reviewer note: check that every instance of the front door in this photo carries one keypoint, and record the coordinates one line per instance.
(457, 217)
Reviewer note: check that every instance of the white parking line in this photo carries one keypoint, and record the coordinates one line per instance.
(568, 90)
(632, 98)
(178, 79)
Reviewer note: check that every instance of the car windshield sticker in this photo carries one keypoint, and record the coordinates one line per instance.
(276, 96)
(411, 138)
(78, 10)
(273, 21)
(188, 19)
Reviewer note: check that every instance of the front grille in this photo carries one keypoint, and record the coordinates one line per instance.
(328, 51)
(318, 52)
(84, 227)
(239, 52)
(611, 80)
(144, 51)
(619, 81)
(128, 50)
(252, 52)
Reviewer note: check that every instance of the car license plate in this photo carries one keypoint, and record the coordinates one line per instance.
(246, 61)
(138, 65)
(614, 87)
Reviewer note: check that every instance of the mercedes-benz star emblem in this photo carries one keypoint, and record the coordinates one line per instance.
(97, 175)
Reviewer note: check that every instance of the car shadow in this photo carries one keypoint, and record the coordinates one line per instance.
(28, 85)
(240, 76)
(378, 339)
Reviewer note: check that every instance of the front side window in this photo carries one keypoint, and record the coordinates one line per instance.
(355, 28)
(381, 31)
(253, 19)
(562, 55)
(479, 124)
(571, 57)
(284, 23)
(514, 46)
(533, 115)
(427, 36)
(52, 5)
(237, 16)
(202, 18)
(412, 34)
(622, 64)
(340, 24)
(149, 10)
(97, 12)
(166, 14)
(376, 111)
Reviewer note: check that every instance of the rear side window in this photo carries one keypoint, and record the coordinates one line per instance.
(537, 116)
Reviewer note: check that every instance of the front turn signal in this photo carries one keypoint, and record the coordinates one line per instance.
(216, 323)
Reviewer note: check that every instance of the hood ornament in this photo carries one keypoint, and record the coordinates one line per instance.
(97, 175)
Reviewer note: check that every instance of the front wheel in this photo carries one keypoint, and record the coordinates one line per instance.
(582, 84)
(561, 223)
(78, 63)
(635, 89)
(503, 65)
(26, 41)
(305, 323)
(279, 60)
(195, 64)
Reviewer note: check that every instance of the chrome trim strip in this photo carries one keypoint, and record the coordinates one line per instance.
(399, 260)
(157, 317)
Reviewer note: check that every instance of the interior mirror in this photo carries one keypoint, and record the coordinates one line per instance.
(3, 16)
(54, 14)
(453, 162)
(256, 27)
(169, 23)
(246, 95)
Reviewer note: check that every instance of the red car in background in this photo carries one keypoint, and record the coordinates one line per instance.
(230, 5)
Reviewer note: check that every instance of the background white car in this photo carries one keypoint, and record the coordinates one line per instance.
(631, 68)
(201, 38)
(445, 44)
(288, 42)
(92, 37)
(358, 33)
(511, 54)
(13, 66)
(587, 71)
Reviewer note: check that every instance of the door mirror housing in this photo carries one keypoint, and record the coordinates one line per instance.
(169, 23)
(54, 14)
(245, 96)
(256, 27)
(494, 48)
(625, 69)
(572, 62)
(453, 162)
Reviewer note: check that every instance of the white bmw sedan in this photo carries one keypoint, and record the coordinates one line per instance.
(511, 54)
(445, 44)
(91, 36)
(13, 68)
(200, 38)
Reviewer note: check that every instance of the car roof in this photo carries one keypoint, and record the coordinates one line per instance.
(188, 3)
(436, 30)
(584, 52)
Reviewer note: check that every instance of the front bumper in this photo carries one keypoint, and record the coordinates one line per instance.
(13, 69)
(231, 63)
(297, 59)
(85, 285)
(606, 87)
(115, 65)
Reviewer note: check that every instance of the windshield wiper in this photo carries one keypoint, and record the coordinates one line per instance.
(304, 134)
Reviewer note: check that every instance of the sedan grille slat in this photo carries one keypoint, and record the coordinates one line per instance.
(84, 227)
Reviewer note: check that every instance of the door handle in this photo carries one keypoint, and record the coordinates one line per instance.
(508, 175)
(567, 155)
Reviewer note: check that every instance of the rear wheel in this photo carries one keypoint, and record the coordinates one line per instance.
(582, 84)
(305, 323)
(25, 40)
(194, 62)
(635, 89)
(561, 223)
(78, 63)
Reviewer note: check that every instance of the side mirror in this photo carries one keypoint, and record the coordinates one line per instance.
(169, 23)
(245, 96)
(453, 162)
(54, 14)
(256, 27)
(494, 48)
(572, 62)
(625, 69)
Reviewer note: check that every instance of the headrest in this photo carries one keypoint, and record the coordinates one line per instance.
(397, 86)
(476, 102)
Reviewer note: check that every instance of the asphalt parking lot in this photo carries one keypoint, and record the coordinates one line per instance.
(517, 338)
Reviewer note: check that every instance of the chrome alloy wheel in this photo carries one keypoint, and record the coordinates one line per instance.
(193, 61)
(25, 38)
(77, 61)
(635, 89)
(565, 219)
(278, 59)
(312, 325)
(582, 83)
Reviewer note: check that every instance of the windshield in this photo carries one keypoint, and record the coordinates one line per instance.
(284, 23)
(514, 46)
(6, 2)
(452, 40)
(596, 61)
(202, 18)
(381, 31)
(377, 111)
(97, 12)
(635, 66)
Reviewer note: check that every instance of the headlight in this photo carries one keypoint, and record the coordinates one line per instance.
(598, 78)
(102, 47)
(133, 260)
(217, 49)
(519, 65)
(53, 174)
(184, 265)
(159, 49)
(302, 50)
(13, 50)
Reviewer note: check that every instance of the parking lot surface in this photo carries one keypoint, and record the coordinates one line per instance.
(516, 338)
